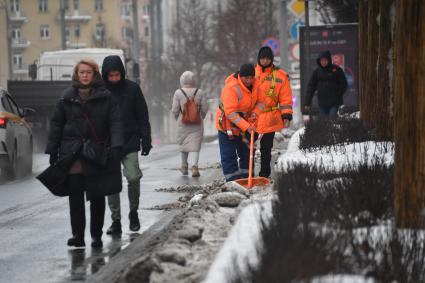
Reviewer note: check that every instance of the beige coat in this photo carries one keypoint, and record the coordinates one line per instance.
(189, 137)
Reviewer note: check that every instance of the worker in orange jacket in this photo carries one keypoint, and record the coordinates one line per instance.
(275, 92)
(235, 120)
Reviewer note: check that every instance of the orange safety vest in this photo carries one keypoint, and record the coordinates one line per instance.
(237, 103)
(275, 92)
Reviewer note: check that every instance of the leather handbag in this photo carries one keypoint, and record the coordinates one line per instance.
(55, 176)
(95, 151)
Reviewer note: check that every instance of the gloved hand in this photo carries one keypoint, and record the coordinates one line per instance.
(287, 118)
(253, 118)
(251, 129)
(145, 150)
(53, 158)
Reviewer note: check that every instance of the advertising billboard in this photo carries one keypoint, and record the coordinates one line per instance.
(342, 41)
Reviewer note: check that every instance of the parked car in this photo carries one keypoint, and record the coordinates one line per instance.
(16, 140)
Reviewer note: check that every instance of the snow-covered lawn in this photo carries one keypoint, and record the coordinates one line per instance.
(337, 157)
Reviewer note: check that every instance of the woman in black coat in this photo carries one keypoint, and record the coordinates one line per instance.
(87, 112)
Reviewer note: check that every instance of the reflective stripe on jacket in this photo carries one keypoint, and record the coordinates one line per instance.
(275, 92)
(237, 103)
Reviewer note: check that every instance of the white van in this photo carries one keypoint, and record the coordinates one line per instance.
(58, 65)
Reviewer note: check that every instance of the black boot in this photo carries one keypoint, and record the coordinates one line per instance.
(134, 221)
(115, 228)
(76, 241)
(96, 242)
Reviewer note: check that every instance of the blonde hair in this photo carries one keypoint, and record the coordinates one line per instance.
(88, 62)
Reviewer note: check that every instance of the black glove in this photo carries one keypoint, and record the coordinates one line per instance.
(145, 150)
(287, 117)
(53, 158)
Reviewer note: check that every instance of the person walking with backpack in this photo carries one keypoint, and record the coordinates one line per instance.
(137, 135)
(189, 108)
(275, 92)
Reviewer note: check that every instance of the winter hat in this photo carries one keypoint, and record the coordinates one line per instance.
(265, 52)
(187, 79)
(247, 70)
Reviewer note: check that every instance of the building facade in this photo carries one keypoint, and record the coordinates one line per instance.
(35, 26)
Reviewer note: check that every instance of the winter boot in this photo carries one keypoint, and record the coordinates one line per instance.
(195, 171)
(96, 242)
(134, 221)
(184, 169)
(76, 241)
(115, 228)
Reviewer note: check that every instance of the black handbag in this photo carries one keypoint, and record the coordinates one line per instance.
(55, 176)
(96, 151)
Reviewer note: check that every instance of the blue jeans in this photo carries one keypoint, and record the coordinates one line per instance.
(230, 151)
(330, 111)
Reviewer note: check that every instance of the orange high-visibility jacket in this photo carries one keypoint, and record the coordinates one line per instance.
(277, 101)
(237, 103)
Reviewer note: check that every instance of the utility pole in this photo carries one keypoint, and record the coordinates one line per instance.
(62, 23)
(136, 41)
(307, 38)
(9, 40)
(284, 47)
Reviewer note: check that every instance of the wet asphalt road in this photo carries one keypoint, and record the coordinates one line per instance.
(34, 225)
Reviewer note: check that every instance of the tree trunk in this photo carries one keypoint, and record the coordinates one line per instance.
(368, 105)
(383, 117)
(363, 56)
(409, 98)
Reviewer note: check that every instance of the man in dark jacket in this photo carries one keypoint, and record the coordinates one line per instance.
(137, 130)
(330, 83)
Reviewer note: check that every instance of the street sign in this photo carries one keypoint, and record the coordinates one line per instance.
(297, 7)
(295, 51)
(294, 29)
(274, 44)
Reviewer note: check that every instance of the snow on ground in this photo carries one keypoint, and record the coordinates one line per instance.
(342, 278)
(338, 157)
(242, 245)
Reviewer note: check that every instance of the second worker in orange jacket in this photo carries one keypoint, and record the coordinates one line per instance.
(275, 92)
(238, 102)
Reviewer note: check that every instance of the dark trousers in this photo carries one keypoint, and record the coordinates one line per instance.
(330, 111)
(77, 186)
(232, 151)
(266, 145)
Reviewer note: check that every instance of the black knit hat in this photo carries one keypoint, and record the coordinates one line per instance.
(247, 70)
(265, 52)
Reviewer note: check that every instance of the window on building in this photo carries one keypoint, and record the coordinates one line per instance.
(15, 6)
(77, 31)
(44, 32)
(76, 5)
(66, 5)
(125, 9)
(17, 61)
(126, 33)
(67, 33)
(16, 33)
(42, 6)
(100, 31)
(146, 9)
(146, 31)
(98, 5)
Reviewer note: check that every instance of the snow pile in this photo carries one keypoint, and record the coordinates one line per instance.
(194, 237)
(342, 278)
(339, 157)
(242, 245)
